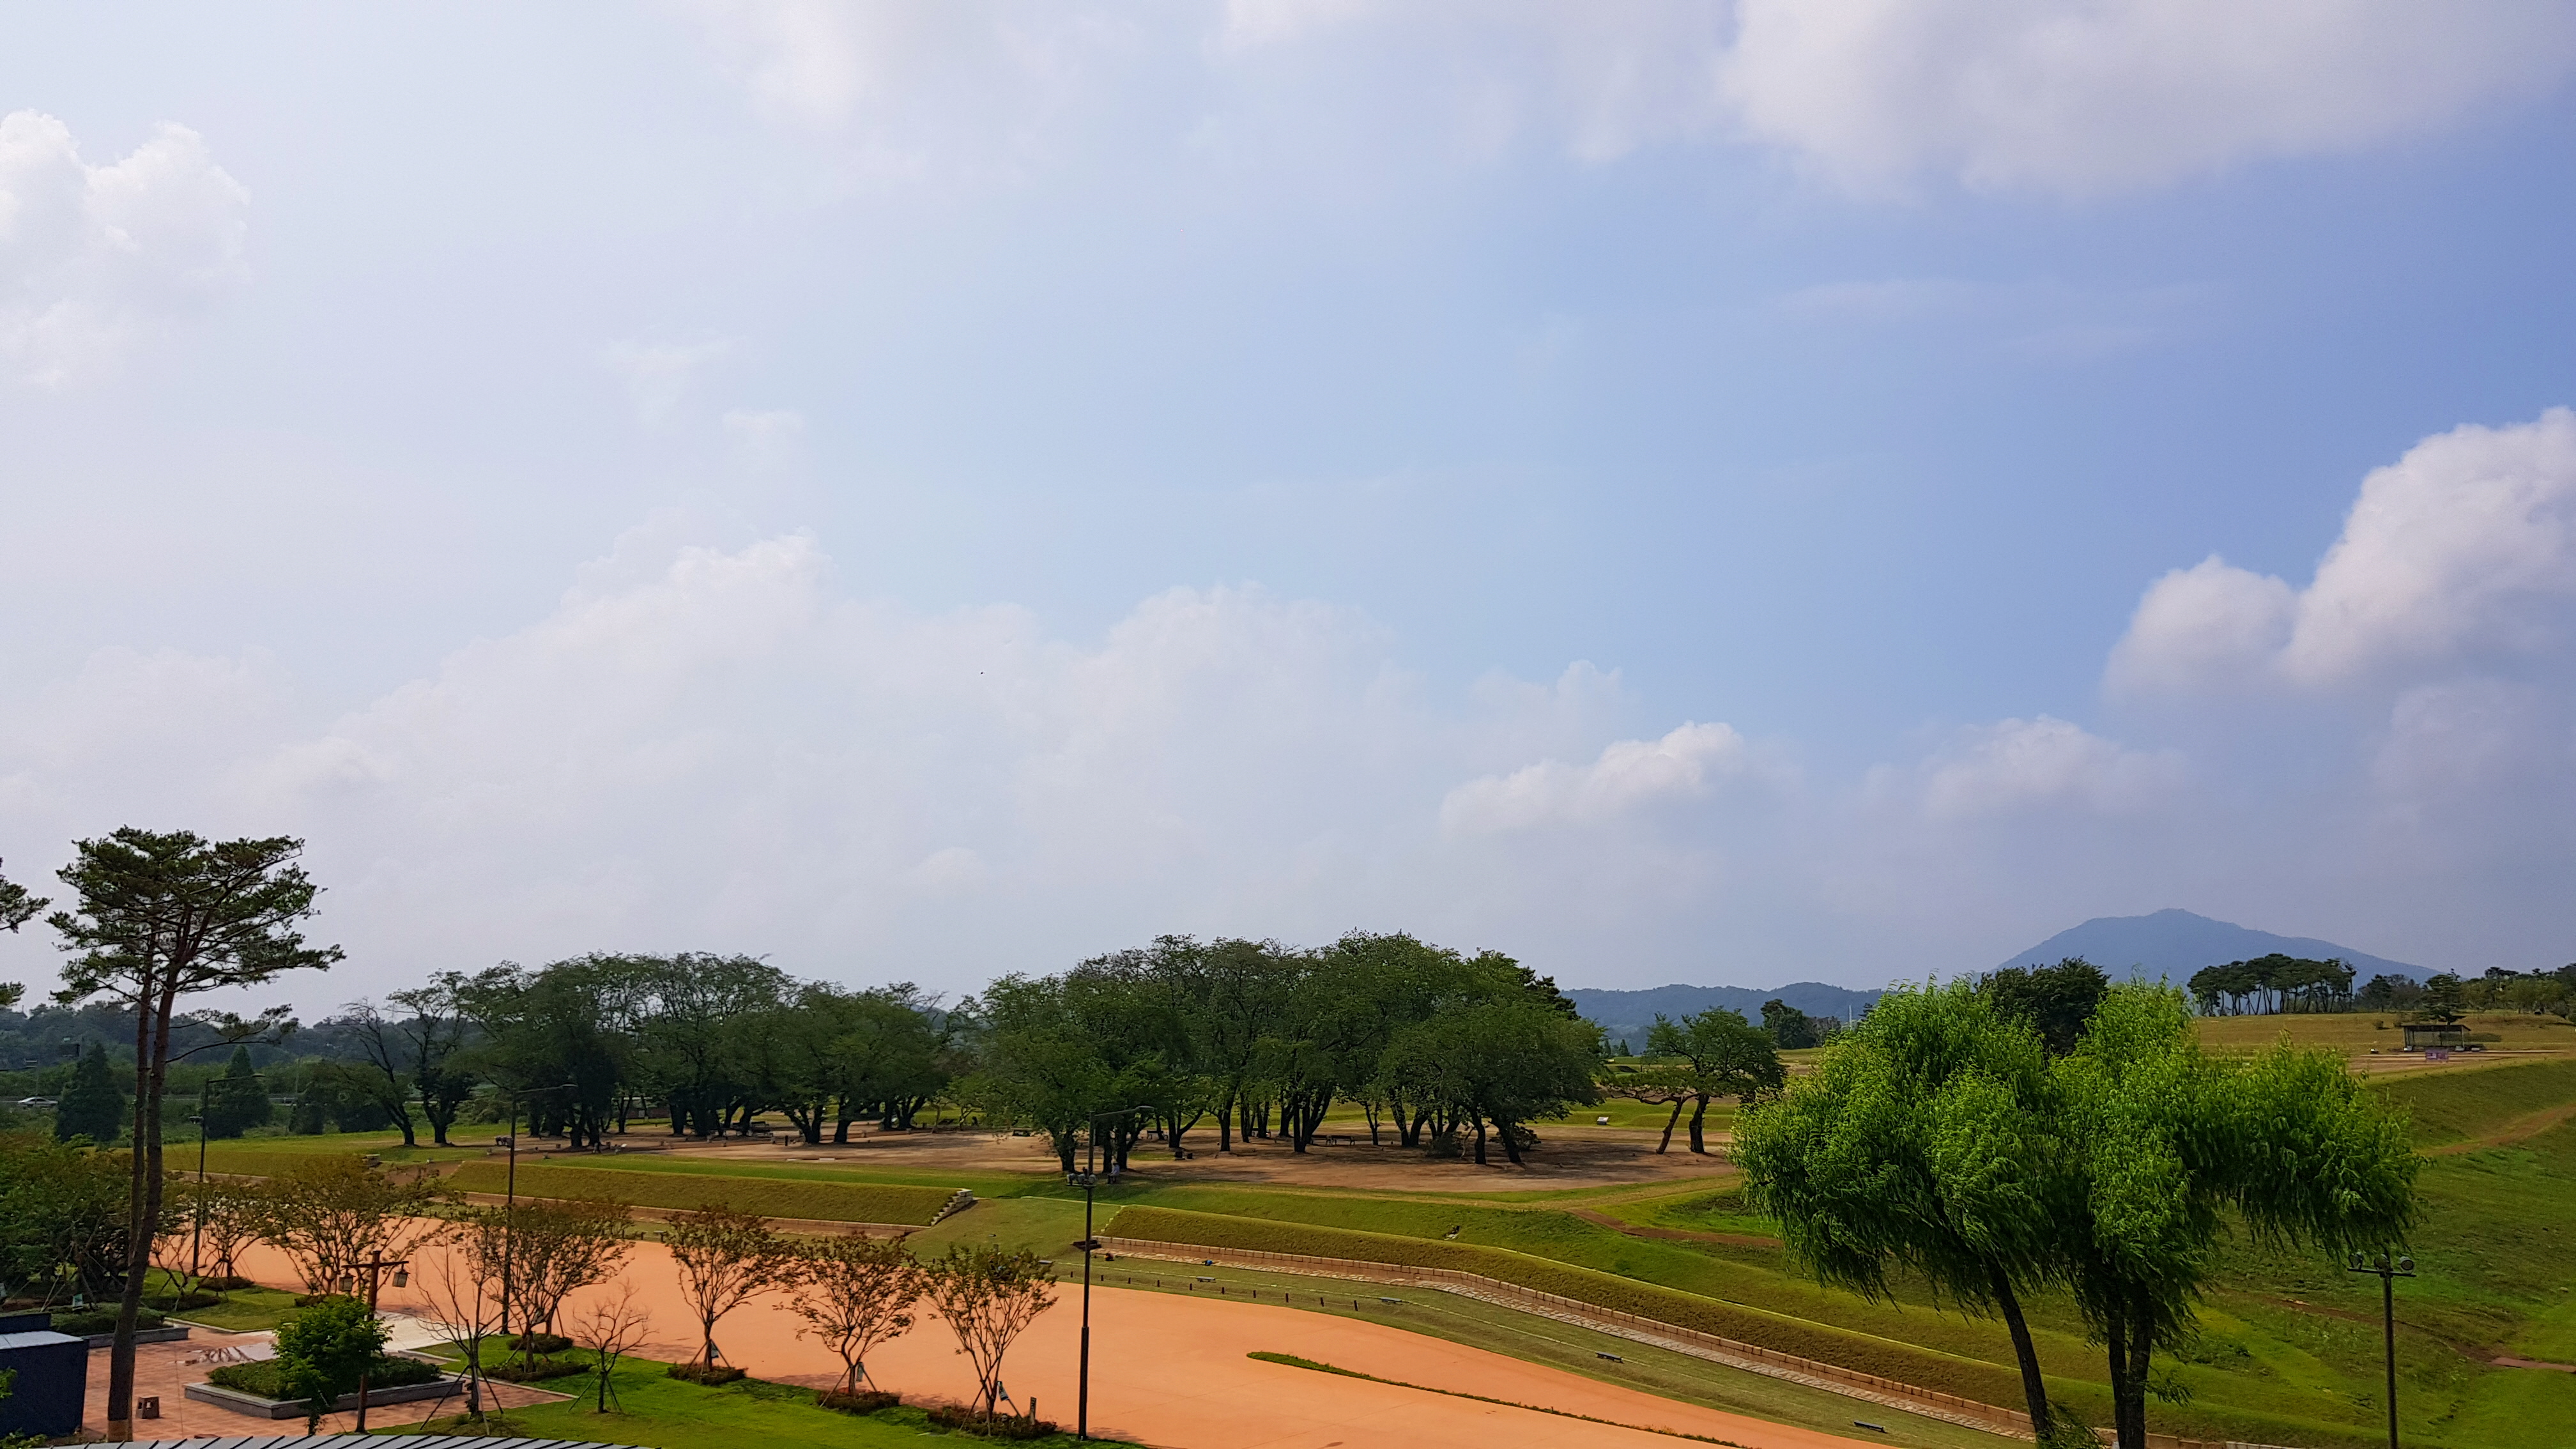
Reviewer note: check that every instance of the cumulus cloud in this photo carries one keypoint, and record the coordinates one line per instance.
(2463, 550)
(2019, 765)
(93, 256)
(1629, 775)
(2117, 94)
(1872, 95)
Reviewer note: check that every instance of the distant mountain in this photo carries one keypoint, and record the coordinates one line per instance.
(2174, 944)
(1625, 1015)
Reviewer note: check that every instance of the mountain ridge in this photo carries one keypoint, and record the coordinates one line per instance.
(2174, 943)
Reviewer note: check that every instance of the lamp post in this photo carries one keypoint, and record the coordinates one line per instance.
(1089, 1179)
(510, 1199)
(2388, 1271)
(375, 1268)
(197, 1235)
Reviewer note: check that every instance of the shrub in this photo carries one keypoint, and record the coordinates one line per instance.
(866, 1401)
(709, 1374)
(100, 1320)
(537, 1370)
(963, 1420)
(540, 1343)
(267, 1377)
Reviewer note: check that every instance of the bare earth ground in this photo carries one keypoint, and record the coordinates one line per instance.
(1570, 1157)
(1173, 1371)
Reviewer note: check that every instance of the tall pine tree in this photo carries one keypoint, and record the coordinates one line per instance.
(237, 1101)
(92, 1106)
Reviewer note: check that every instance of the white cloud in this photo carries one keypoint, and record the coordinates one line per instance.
(2019, 764)
(1629, 775)
(2463, 550)
(94, 256)
(2115, 95)
(1873, 95)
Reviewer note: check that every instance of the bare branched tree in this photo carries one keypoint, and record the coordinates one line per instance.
(463, 1286)
(855, 1293)
(988, 1297)
(613, 1326)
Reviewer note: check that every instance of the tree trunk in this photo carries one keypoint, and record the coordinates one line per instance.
(2034, 1390)
(2141, 1343)
(1510, 1149)
(1669, 1124)
(1225, 1124)
(2115, 1334)
(1480, 1141)
(1699, 1116)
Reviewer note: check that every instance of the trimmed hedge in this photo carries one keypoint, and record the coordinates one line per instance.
(1907, 1363)
(840, 1202)
(266, 1378)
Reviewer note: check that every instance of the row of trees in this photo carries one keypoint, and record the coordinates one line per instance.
(2448, 998)
(1950, 1139)
(2273, 983)
(1438, 1049)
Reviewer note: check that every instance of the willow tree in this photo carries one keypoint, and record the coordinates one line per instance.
(1923, 1143)
(2165, 1145)
(156, 918)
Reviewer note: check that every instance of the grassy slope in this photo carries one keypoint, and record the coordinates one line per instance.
(855, 1202)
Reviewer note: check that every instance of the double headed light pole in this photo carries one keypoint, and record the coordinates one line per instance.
(1089, 1179)
(510, 1198)
(2388, 1270)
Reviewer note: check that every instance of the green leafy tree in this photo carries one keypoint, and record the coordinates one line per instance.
(988, 1297)
(1712, 1054)
(324, 1349)
(1789, 1027)
(1922, 1144)
(434, 1034)
(238, 1100)
(2164, 1144)
(93, 1106)
(2445, 999)
(2055, 1001)
(157, 918)
(61, 1206)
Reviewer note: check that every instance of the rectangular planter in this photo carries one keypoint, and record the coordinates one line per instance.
(171, 1333)
(259, 1408)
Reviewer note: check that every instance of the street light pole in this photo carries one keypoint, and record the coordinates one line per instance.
(2388, 1271)
(510, 1204)
(1089, 1179)
(197, 1235)
(375, 1270)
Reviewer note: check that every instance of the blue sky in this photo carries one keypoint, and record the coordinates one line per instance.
(1672, 491)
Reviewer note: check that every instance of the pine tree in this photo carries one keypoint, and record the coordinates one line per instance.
(237, 1101)
(92, 1106)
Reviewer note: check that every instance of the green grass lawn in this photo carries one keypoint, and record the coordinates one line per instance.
(244, 1310)
(657, 1411)
(837, 1201)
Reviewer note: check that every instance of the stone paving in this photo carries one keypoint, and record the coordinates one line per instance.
(164, 1369)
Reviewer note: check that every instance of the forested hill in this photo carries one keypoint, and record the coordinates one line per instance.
(1625, 1014)
(2173, 944)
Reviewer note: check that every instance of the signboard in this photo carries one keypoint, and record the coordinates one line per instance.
(2438, 1054)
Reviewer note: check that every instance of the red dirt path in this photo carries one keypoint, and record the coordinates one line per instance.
(1171, 1370)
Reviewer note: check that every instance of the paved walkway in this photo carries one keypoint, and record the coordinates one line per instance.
(164, 1369)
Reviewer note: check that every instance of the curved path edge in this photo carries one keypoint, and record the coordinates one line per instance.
(1753, 1358)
